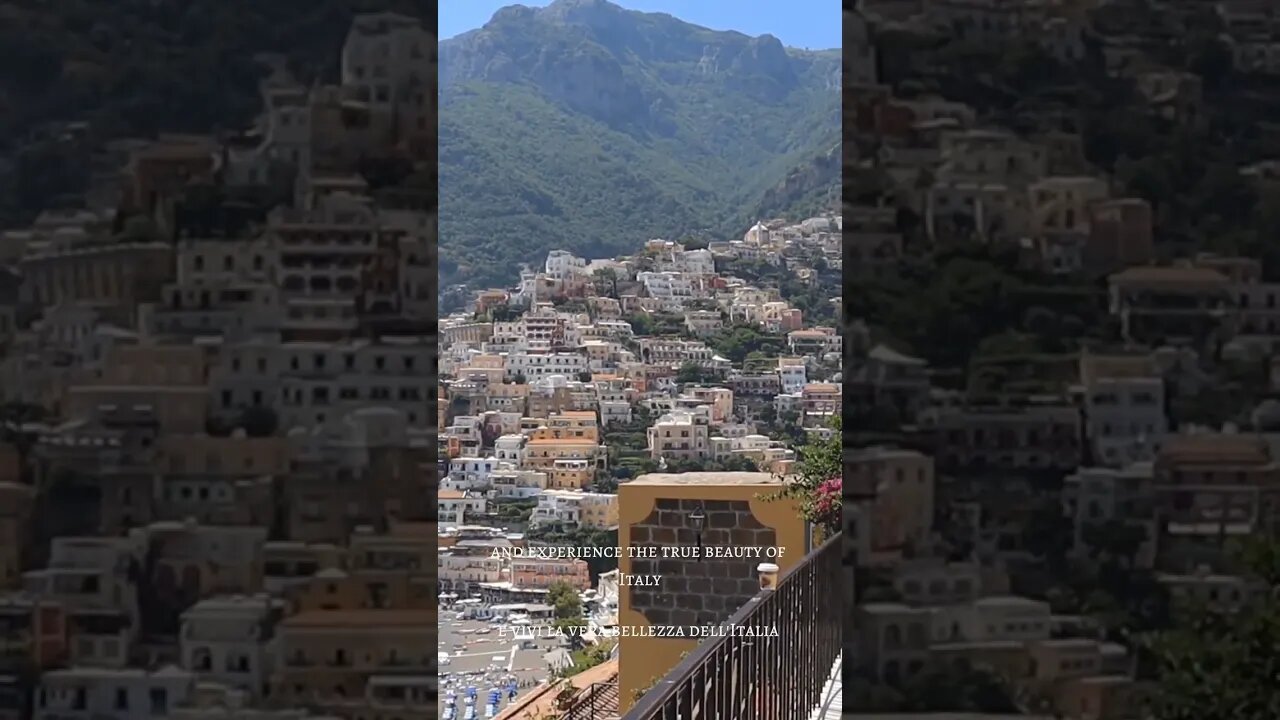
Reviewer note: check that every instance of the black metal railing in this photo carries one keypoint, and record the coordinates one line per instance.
(753, 672)
(596, 702)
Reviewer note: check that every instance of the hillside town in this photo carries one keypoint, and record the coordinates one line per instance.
(216, 385)
(1062, 361)
(592, 378)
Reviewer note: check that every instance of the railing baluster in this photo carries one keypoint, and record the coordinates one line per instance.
(761, 677)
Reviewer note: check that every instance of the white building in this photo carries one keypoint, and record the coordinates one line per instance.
(510, 449)
(532, 366)
(669, 286)
(681, 434)
(570, 507)
(792, 377)
(1093, 496)
(1124, 415)
(456, 505)
(563, 265)
(861, 52)
(323, 254)
(695, 262)
(472, 472)
(387, 59)
(107, 694)
(229, 640)
(90, 573)
(324, 382)
(508, 483)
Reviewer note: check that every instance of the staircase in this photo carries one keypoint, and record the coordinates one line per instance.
(829, 706)
(598, 701)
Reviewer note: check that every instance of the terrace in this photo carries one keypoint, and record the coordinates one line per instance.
(794, 675)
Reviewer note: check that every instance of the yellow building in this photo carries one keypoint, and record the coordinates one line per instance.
(720, 399)
(542, 454)
(168, 380)
(406, 546)
(15, 517)
(660, 511)
(570, 425)
(599, 510)
(222, 456)
(576, 508)
(106, 275)
(334, 589)
(332, 659)
(570, 474)
(219, 480)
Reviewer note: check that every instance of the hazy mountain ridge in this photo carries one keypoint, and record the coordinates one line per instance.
(587, 126)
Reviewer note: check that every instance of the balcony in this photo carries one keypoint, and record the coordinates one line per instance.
(740, 677)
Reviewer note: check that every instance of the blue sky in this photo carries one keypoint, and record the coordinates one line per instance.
(813, 24)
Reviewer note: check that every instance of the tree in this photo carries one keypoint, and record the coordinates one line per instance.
(690, 372)
(606, 282)
(1117, 540)
(565, 599)
(1221, 665)
(1210, 58)
(258, 421)
(139, 228)
(737, 342)
(14, 430)
(817, 483)
(504, 313)
(1048, 533)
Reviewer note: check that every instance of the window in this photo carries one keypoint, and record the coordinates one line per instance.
(159, 701)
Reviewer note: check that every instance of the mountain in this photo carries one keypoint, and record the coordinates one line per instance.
(589, 127)
(134, 68)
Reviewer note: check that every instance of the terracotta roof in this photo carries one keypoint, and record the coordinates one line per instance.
(362, 618)
(886, 354)
(1094, 367)
(1208, 448)
(543, 700)
(1164, 274)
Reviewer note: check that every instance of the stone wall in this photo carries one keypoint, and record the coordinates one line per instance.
(698, 592)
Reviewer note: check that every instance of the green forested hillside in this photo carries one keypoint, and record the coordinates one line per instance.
(137, 67)
(592, 128)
